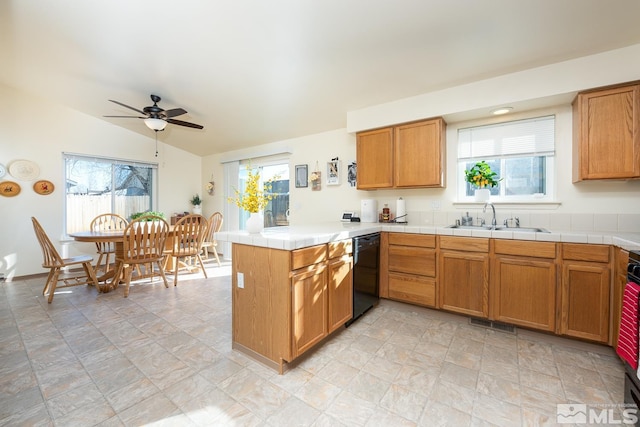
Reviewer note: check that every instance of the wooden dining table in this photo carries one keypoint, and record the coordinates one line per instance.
(107, 282)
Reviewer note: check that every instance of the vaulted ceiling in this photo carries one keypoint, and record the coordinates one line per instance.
(254, 72)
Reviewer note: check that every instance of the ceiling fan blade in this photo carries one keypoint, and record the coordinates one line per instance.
(127, 106)
(128, 117)
(175, 112)
(187, 124)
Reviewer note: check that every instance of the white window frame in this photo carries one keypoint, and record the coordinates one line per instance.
(550, 184)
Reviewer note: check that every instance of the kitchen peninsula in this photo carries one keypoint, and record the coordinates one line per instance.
(291, 286)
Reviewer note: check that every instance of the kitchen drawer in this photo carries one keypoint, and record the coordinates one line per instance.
(412, 260)
(525, 248)
(408, 239)
(308, 256)
(585, 252)
(412, 289)
(467, 244)
(340, 248)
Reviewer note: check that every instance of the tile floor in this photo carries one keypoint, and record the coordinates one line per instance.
(163, 357)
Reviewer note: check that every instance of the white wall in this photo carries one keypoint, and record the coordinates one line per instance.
(599, 206)
(36, 130)
(586, 206)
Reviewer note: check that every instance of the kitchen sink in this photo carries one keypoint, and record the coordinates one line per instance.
(525, 229)
(491, 228)
(471, 227)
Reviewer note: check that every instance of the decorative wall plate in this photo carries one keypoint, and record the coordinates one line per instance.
(43, 187)
(9, 188)
(24, 170)
(3, 170)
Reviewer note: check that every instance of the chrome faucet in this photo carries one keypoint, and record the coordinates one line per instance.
(493, 220)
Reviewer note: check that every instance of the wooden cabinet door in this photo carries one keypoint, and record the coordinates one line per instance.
(374, 157)
(463, 283)
(585, 300)
(419, 154)
(606, 134)
(340, 292)
(308, 307)
(523, 292)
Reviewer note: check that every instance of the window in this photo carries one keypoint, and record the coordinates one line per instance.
(521, 153)
(101, 185)
(276, 213)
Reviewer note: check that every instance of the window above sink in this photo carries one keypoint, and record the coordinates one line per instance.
(521, 152)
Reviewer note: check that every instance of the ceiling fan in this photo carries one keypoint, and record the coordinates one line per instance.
(157, 118)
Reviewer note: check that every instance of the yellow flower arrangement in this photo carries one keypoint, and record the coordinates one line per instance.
(481, 175)
(253, 200)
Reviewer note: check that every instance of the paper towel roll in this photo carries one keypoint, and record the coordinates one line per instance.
(401, 210)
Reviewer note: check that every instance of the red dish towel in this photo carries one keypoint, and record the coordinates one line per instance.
(628, 339)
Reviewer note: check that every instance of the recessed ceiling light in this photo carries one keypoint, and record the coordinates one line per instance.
(501, 110)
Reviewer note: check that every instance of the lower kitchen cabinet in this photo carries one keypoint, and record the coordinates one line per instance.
(411, 267)
(339, 286)
(586, 279)
(309, 307)
(523, 284)
(285, 302)
(464, 275)
(619, 282)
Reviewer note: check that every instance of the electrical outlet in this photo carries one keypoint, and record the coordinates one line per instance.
(435, 205)
(240, 280)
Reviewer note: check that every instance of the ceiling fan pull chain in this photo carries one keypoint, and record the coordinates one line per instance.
(156, 143)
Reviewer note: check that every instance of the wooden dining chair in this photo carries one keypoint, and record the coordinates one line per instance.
(143, 246)
(188, 236)
(55, 263)
(210, 243)
(105, 223)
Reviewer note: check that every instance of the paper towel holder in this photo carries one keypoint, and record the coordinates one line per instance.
(401, 215)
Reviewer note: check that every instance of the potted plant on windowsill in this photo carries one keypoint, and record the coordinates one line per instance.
(481, 177)
(196, 202)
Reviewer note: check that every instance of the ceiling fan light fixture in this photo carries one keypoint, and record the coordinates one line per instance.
(155, 124)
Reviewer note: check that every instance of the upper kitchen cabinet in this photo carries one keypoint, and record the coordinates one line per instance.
(409, 155)
(606, 134)
(374, 157)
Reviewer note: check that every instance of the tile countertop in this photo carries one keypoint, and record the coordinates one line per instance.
(295, 237)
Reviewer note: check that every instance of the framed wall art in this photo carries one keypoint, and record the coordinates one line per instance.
(352, 173)
(302, 176)
(333, 172)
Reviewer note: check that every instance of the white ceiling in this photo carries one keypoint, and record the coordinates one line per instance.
(254, 72)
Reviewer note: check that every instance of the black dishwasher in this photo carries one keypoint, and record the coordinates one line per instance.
(366, 255)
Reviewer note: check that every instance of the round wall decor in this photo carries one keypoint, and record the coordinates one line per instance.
(24, 170)
(9, 188)
(3, 170)
(43, 187)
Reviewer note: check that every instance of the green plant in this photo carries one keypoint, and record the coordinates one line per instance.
(196, 200)
(481, 175)
(153, 213)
